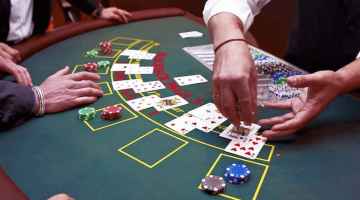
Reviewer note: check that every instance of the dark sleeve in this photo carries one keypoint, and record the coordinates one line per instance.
(16, 104)
(87, 6)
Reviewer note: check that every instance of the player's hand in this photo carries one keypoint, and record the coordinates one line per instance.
(20, 73)
(9, 53)
(114, 13)
(63, 91)
(61, 197)
(322, 88)
(234, 83)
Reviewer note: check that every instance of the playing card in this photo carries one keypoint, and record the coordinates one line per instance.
(249, 149)
(188, 80)
(139, 70)
(148, 86)
(181, 125)
(190, 34)
(142, 56)
(143, 102)
(130, 52)
(229, 132)
(170, 102)
(123, 66)
(125, 84)
(210, 115)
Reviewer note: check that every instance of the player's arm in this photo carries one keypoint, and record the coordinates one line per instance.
(16, 103)
(350, 76)
(90, 8)
(234, 76)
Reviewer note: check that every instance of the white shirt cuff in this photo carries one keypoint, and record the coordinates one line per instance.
(358, 56)
(239, 8)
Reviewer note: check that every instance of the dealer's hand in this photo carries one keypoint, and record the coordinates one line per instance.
(20, 73)
(10, 53)
(114, 13)
(323, 87)
(234, 82)
(63, 91)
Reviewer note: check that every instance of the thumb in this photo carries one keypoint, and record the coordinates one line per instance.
(62, 72)
(302, 81)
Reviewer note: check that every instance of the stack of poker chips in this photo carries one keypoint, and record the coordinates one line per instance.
(237, 173)
(87, 113)
(103, 64)
(213, 184)
(111, 112)
(91, 54)
(91, 67)
(106, 47)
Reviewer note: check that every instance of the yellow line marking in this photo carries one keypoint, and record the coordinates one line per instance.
(155, 130)
(108, 87)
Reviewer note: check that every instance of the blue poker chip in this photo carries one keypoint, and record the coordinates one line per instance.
(237, 173)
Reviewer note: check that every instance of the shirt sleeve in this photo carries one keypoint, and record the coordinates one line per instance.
(246, 10)
(16, 104)
(358, 56)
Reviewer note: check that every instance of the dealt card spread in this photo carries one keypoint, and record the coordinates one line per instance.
(210, 116)
(123, 66)
(189, 80)
(232, 135)
(148, 86)
(143, 102)
(249, 149)
(125, 84)
(139, 70)
(181, 125)
(170, 102)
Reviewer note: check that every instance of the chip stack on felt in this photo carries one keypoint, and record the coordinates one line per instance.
(237, 173)
(213, 184)
(111, 112)
(106, 47)
(91, 67)
(87, 113)
(91, 54)
(103, 64)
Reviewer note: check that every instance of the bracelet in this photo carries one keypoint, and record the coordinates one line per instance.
(229, 40)
(41, 100)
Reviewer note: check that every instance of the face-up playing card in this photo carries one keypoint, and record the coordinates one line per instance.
(143, 102)
(210, 115)
(249, 149)
(148, 86)
(181, 125)
(229, 132)
(191, 34)
(139, 70)
(188, 80)
(123, 66)
(130, 52)
(170, 102)
(125, 84)
(142, 56)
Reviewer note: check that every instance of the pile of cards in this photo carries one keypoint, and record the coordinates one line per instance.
(189, 80)
(138, 54)
(156, 102)
(138, 85)
(132, 68)
(205, 118)
(191, 34)
(248, 146)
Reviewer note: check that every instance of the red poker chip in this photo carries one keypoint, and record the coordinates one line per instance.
(106, 47)
(91, 67)
(111, 112)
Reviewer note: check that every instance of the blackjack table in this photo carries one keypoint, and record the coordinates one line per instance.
(137, 156)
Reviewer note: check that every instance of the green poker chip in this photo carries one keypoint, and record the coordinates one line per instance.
(91, 54)
(103, 64)
(87, 113)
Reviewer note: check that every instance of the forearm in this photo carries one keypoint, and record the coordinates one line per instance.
(350, 76)
(224, 26)
(16, 104)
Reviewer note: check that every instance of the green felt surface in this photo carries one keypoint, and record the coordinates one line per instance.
(59, 153)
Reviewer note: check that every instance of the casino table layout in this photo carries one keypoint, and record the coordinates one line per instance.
(138, 157)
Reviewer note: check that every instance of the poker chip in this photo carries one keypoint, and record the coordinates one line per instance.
(91, 54)
(103, 64)
(111, 112)
(106, 47)
(213, 184)
(87, 113)
(91, 67)
(237, 173)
